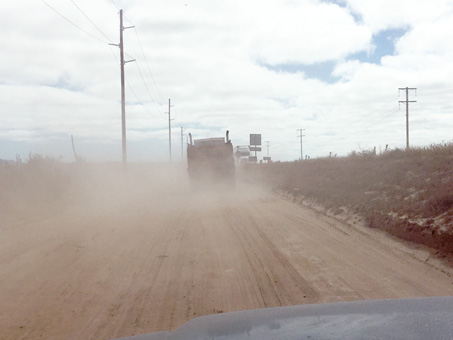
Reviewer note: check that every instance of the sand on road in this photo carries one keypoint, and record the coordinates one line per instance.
(119, 265)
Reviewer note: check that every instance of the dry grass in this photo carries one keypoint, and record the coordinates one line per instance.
(43, 186)
(408, 193)
(34, 186)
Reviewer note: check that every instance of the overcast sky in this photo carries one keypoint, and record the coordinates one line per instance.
(271, 67)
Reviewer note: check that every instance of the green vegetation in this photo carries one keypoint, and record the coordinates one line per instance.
(408, 193)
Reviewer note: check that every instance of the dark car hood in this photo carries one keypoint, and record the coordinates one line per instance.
(422, 318)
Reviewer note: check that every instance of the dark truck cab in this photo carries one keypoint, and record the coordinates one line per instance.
(211, 161)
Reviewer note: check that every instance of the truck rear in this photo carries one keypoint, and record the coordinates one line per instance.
(210, 161)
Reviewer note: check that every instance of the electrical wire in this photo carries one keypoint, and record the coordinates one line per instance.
(114, 4)
(104, 42)
(140, 102)
(436, 92)
(144, 82)
(148, 68)
(91, 21)
(147, 64)
(74, 24)
(432, 108)
(146, 86)
(136, 97)
(133, 91)
(119, 9)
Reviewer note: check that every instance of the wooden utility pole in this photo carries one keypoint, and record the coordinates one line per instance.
(300, 136)
(407, 101)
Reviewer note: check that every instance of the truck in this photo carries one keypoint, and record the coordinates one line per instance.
(210, 161)
(242, 154)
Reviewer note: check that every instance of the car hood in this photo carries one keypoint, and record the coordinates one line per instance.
(421, 318)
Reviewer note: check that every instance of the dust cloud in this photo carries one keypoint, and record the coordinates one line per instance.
(74, 237)
(41, 189)
(88, 251)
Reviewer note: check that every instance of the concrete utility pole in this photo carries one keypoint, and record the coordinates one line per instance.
(123, 93)
(169, 130)
(123, 90)
(407, 101)
(300, 136)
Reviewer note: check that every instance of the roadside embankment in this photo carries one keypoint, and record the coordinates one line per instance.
(407, 193)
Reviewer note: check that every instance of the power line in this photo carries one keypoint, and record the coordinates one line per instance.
(91, 21)
(124, 14)
(437, 92)
(138, 99)
(148, 67)
(147, 64)
(146, 86)
(140, 102)
(114, 4)
(385, 115)
(128, 55)
(144, 82)
(433, 108)
(74, 24)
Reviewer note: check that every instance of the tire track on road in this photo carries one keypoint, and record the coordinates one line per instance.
(279, 282)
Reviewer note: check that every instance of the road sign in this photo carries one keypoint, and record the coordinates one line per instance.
(255, 148)
(253, 159)
(266, 158)
(255, 139)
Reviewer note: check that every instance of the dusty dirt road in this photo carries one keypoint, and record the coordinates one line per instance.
(118, 265)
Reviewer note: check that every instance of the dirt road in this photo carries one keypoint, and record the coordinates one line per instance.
(114, 266)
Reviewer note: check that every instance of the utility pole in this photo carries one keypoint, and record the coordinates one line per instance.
(268, 143)
(169, 130)
(123, 90)
(123, 93)
(182, 144)
(407, 101)
(300, 136)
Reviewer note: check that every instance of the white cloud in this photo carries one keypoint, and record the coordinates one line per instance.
(56, 80)
(309, 33)
(384, 14)
(429, 38)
